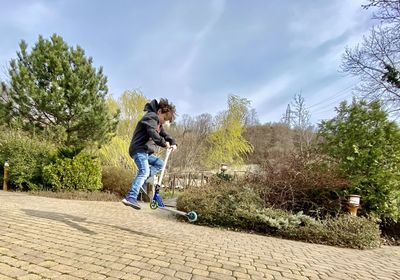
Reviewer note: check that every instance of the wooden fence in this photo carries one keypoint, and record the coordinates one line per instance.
(183, 180)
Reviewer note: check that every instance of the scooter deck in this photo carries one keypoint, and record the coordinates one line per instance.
(173, 210)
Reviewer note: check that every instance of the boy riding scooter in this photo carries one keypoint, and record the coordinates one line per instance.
(148, 133)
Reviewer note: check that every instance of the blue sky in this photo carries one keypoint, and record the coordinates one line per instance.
(196, 53)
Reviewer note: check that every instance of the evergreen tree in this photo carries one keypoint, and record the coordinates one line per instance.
(367, 146)
(55, 89)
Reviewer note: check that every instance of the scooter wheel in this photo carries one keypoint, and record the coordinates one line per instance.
(192, 216)
(153, 204)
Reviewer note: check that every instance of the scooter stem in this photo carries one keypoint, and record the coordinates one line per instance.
(169, 150)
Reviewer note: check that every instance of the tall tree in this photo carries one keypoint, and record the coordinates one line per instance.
(226, 143)
(251, 118)
(376, 61)
(300, 122)
(56, 89)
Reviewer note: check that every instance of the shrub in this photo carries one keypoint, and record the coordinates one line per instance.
(302, 183)
(224, 176)
(216, 205)
(342, 231)
(26, 155)
(237, 207)
(240, 207)
(391, 232)
(82, 172)
(116, 180)
(366, 143)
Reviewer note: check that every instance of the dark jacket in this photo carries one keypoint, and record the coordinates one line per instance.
(149, 132)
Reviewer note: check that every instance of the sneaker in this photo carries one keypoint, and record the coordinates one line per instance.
(131, 202)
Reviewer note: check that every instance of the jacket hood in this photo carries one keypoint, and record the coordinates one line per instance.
(151, 106)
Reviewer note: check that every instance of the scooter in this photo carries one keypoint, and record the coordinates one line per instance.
(157, 201)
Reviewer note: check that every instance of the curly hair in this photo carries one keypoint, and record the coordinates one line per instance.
(167, 108)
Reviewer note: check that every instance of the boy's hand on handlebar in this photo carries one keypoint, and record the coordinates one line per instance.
(172, 147)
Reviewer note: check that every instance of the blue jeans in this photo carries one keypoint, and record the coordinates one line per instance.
(148, 165)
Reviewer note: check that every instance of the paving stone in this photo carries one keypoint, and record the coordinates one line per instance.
(131, 269)
(200, 272)
(167, 271)
(95, 276)
(220, 270)
(150, 274)
(29, 276)
(67, 239)
(63, 268)
(158, 263)
(220, 276)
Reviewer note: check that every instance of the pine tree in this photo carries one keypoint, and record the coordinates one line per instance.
(55, 89)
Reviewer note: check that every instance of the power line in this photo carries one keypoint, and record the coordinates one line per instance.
(329, 104)
(335, 96)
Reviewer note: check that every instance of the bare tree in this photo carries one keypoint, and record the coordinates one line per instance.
(251, 118)
(271, 142)
(300, 122)
(372, 62)
(191, 134)
(388, 10)
(376, 61)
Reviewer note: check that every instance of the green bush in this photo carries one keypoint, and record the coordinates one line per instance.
(366, 143)
(342, 231)
(82, 172)
(236, 207)
(239, 207)
(216, 205)
(26, 156)
(116, 180)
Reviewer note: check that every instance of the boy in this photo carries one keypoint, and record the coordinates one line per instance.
(148, 133)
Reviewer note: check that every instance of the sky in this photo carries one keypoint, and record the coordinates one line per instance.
(197, 53)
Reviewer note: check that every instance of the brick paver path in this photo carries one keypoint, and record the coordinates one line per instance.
(46, 238)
